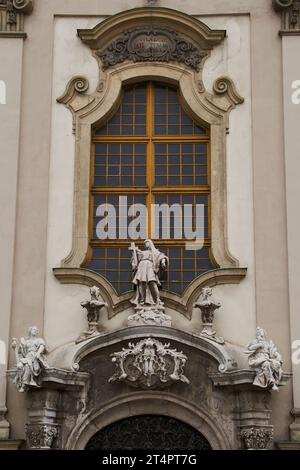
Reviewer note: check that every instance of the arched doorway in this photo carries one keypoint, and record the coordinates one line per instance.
(148, 432)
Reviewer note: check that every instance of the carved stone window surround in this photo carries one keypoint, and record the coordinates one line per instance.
(88, 109)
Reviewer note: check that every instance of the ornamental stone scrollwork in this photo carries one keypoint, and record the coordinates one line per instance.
(149, 364)
(256, 438)
(41, 436)
(225, 86)
(12, 16)
(74, 96)
(290, 15)
(30, 358)
(266, 360)
(93, 307)
(208, 306)
(151, 44)
(147, 266)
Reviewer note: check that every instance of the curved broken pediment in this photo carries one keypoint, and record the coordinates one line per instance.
(166, 20)
(182, 304)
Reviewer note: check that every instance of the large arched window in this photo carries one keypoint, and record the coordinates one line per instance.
(150, 152)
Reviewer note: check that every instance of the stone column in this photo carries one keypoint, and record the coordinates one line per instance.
(11, 53)
(252, 417)
(290, 33)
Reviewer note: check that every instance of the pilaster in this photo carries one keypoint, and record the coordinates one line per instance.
(290, 33)
(11, 55)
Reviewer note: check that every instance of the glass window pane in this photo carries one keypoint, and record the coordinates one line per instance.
(173, 130)
(126, 180)
(139, 170)
(161, 181)
(140, 130)
(100, 170)
(99, 181)
(100, 149)
(140, 180)
(126, 170)
(174, 159)
(160, 130)
(100, 159)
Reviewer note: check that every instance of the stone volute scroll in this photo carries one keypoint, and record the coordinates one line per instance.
(149, 364)
(30, 360)
(208, 306)
(266, 360)
(147, 266)
(93, 308)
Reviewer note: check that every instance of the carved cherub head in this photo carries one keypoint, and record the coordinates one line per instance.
(95, 292)
(206, 293)
(33, 331)
(260, 334)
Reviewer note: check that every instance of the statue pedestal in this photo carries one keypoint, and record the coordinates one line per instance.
(94, 330)
(149, 315)
(208, 333)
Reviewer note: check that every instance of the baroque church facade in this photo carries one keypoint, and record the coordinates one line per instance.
(120, 329)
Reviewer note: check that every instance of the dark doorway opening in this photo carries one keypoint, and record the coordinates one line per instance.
(148, 432)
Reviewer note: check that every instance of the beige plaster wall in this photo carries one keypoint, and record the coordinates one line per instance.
(34, 254)
(291, 67)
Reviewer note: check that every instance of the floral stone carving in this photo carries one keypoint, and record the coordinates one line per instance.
(41, 436)
(93, 307)
(208, 306)
(147, 267)
(30, 357)
(151, 44)
(266, 360)
(256, 438)
(15, 7)
(149, 364)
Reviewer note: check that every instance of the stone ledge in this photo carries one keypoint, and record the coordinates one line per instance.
(13, 34)
(10, 444)
(242, 377)
(288, 445)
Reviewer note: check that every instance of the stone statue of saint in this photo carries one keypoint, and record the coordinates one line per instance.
(264, 357)
(30, 357)
(147, 266)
